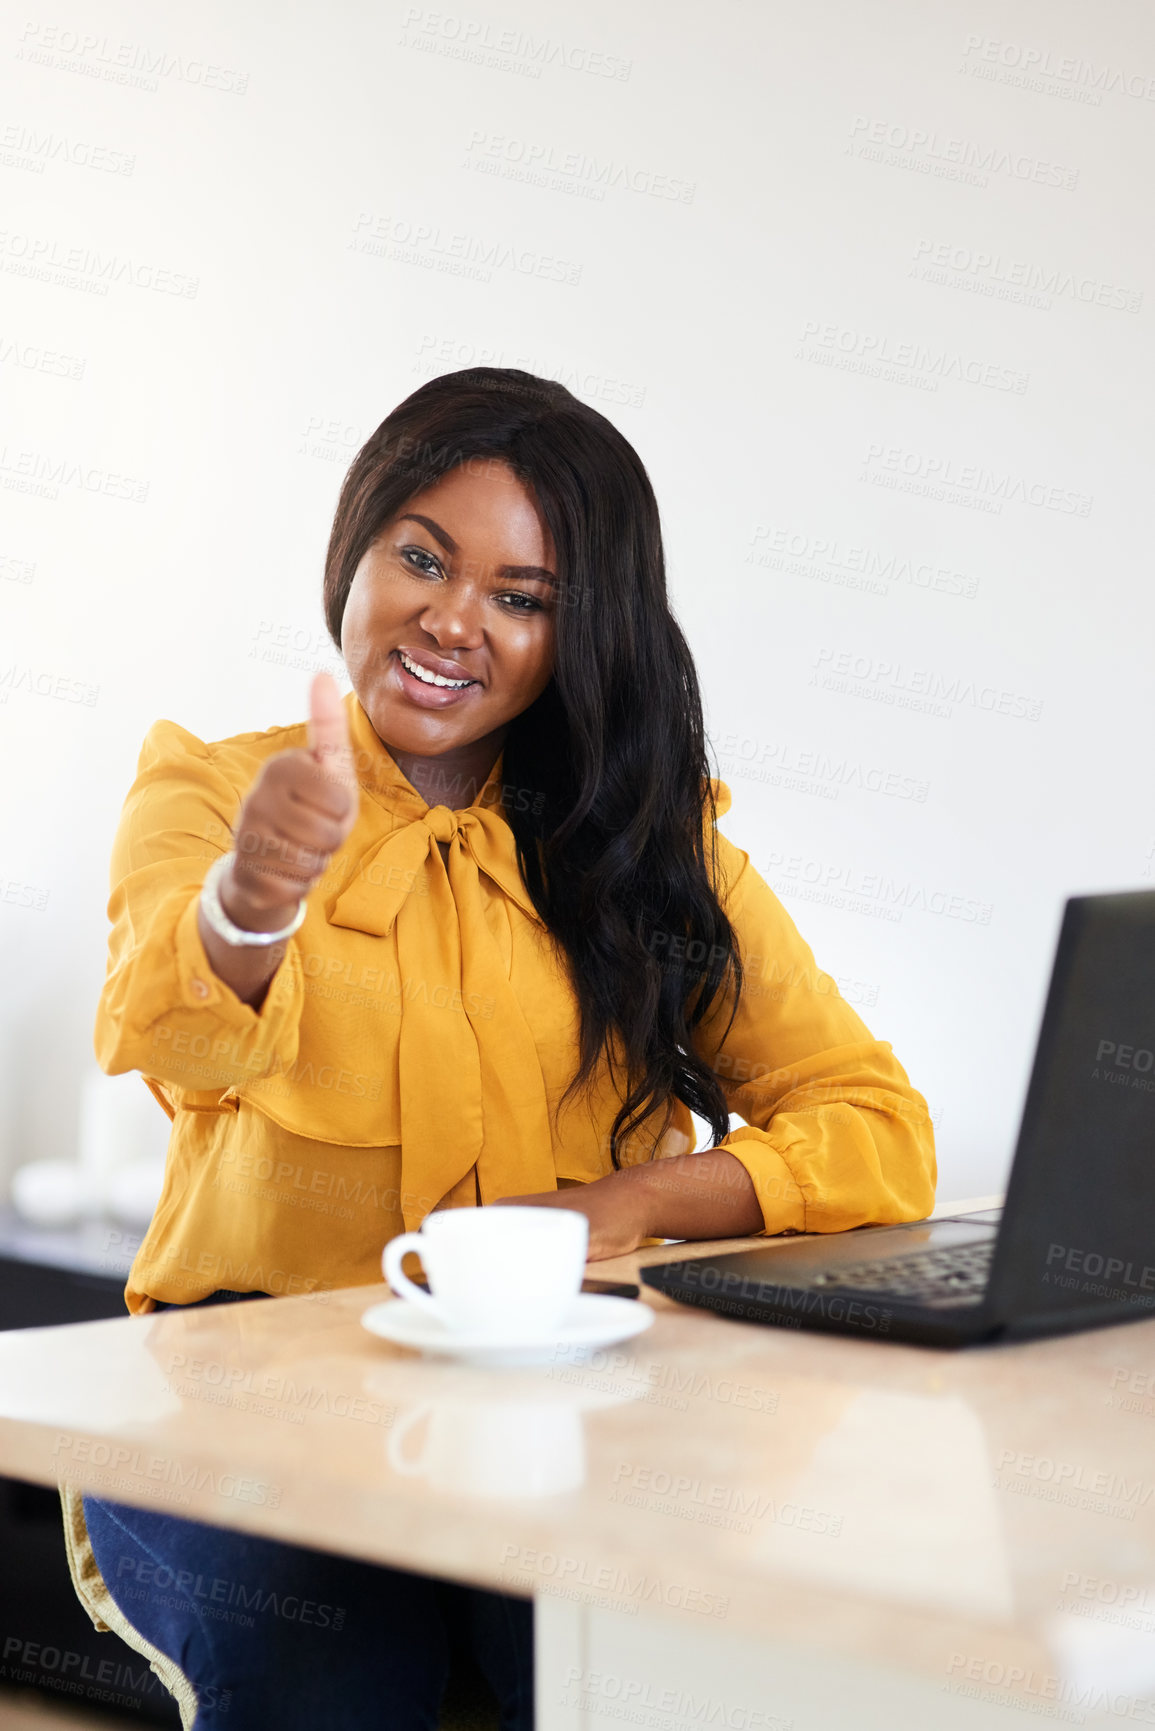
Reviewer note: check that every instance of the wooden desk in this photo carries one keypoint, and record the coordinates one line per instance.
(783, 1526)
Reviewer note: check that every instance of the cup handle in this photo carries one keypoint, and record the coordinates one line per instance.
(401, 1284)
(396, 1445)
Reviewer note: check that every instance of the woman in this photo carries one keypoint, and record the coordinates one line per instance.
(469, 936)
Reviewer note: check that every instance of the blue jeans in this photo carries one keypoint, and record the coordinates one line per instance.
(274, 1637)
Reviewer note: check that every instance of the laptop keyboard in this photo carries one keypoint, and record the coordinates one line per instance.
(955, 1275)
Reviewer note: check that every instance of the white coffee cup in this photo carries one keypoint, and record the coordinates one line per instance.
(510, 1273)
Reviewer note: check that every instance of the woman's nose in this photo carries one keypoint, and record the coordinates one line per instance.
(453, 616)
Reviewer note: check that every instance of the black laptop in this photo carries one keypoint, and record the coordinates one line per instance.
(1073, 1245)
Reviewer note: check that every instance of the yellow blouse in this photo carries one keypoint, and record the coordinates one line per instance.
(414, 1044)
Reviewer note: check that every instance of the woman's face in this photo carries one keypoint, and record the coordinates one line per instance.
(458, 586)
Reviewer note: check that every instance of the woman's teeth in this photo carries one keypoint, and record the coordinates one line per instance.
(423, 673)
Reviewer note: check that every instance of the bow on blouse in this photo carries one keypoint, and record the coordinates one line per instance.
(472, 1092)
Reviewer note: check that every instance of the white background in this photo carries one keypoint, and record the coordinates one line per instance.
(877, 276)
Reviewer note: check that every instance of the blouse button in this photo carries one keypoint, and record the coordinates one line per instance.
(200, 988)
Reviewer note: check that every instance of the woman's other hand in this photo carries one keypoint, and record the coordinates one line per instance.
(690, 1196)
(614, 1211)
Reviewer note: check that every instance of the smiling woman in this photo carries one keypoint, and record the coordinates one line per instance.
(477, 940)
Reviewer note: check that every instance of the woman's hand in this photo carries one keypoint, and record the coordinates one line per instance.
(614, 1208)
(692, 1196)
(298, 812)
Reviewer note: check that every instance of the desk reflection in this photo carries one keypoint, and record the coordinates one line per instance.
(520, 1434)
(491, 1448)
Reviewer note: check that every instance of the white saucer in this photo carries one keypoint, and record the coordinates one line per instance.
(593, 1320)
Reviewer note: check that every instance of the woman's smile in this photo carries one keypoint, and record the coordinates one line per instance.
(423, 686)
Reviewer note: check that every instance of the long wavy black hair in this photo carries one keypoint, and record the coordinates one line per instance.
(617, 849)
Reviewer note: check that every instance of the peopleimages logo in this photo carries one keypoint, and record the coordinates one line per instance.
(570, 170)
(35, 359)
(49, 259)
(810, 771)
(218, 1590)
(1037, 64)
(144, 1470)
(1122, 1066)
(111, 1680)
(732, 1506)
(672, 1709)
(1093, 1263)
(791, 1301)
(1125, 1057)
(860, 675)
(604, 1583)
(872, 893)
(24, 147)
(932, 152)
(1046, 1692)
(45, 473)
(425, 244)
(1010, 278)
(508, 50)
(137, 63)
(992, 487)
(1115, 1487)
(881, 356)
(855, 566)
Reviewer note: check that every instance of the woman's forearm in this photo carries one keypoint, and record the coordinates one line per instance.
(707, 1195)
(247, 968)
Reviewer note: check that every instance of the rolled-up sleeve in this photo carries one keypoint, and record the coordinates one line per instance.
(835, 1135)
(163, 1010)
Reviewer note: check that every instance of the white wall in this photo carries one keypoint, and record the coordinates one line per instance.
(869, 287)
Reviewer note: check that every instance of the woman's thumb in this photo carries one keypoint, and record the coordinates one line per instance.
(328, 732)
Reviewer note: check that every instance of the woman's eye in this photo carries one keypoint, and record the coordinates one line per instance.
(420, 559)
(416, 554)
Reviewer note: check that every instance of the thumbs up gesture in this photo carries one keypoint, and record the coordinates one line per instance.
(298, 812)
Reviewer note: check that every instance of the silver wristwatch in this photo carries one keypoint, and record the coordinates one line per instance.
(220, 921)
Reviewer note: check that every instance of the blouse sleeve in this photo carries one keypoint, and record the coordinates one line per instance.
(836, 1136)
(163, 1010)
